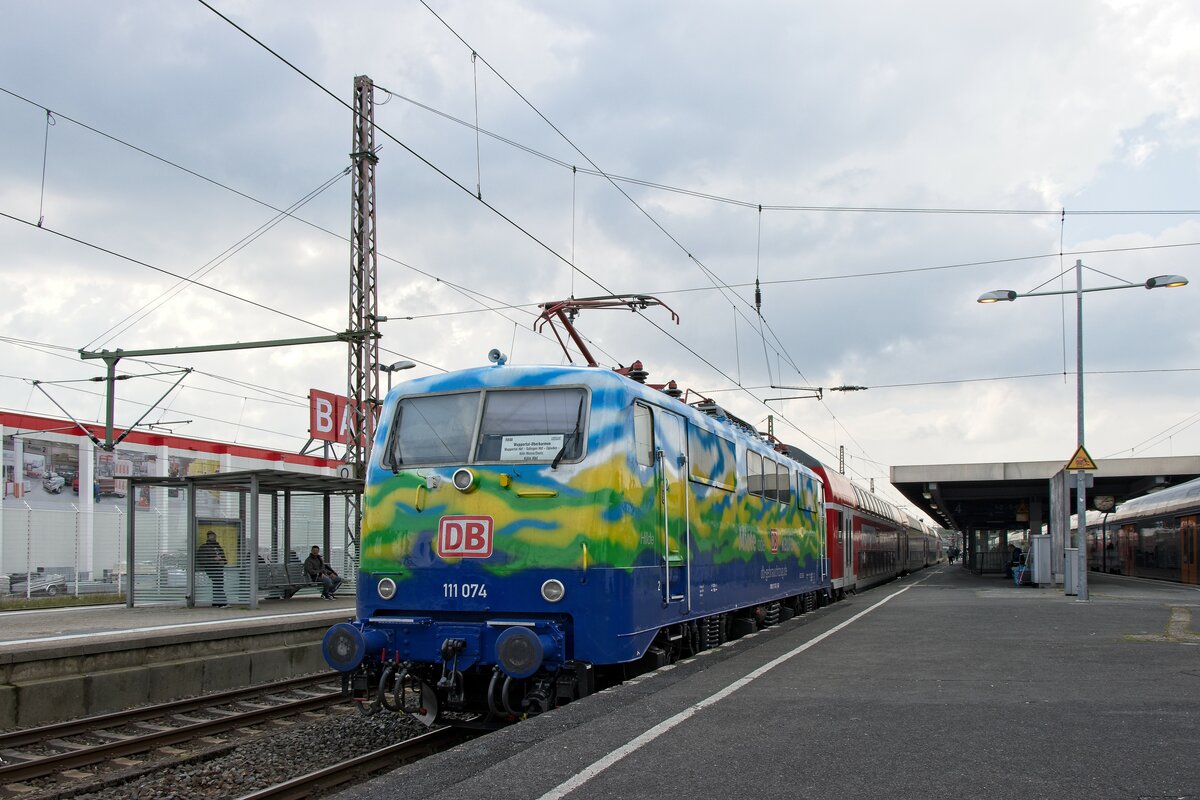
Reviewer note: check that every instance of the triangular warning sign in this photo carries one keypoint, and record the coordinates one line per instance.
(1081, 460)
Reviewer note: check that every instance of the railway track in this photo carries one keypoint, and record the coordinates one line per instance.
(320, 782)
(66, 759)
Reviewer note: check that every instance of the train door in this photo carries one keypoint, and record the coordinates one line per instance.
(671, 472)
(847, 537)
(1187, 549)
(837, 541)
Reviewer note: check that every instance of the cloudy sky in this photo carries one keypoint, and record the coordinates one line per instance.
(906, 156)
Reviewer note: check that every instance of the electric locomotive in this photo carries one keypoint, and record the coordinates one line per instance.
(527, 527)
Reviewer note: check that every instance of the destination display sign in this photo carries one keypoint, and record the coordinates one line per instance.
(542, 447)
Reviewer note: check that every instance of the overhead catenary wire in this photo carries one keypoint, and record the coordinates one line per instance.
(573, 252)
(204, 269)
(798, 207)
(1062, 212)
(704, 269)
(709, 273)
(463, 290)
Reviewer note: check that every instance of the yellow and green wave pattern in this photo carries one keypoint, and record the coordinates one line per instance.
(604, 512)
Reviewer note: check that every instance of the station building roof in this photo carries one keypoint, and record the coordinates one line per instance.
(987, 496)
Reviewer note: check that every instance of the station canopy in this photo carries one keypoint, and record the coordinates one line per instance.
(996, 496)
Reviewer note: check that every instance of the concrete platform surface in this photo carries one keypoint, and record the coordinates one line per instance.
(940, 685)
(43, 633)
(58, 664)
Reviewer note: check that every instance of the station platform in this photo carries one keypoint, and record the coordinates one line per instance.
(66, 662)
(943, 684)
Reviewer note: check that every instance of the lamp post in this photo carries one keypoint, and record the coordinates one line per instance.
(1157, 282)
(396, 367)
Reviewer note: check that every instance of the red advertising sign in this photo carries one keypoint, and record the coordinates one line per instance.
(325, 411)
(330, 417)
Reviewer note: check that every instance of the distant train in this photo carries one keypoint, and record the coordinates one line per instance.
(529, 531)
(869, 540)
(1153, 536)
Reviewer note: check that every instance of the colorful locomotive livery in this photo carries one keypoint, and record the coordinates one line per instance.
(527, 528)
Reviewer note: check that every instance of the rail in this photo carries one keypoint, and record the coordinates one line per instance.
(322, 781)
(48, 751)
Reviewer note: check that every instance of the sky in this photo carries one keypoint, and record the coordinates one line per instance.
(874, 166)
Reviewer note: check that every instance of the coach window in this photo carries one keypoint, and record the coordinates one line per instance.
(754, 473)
(643, 435)
(783, 488)
(532, 425)
(770, 480)
(711, 458)
(433, 430)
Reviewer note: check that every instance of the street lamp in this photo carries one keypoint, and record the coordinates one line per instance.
(396, 367)
(1157, 282)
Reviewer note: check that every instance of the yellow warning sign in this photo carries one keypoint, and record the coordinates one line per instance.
(1081, 460)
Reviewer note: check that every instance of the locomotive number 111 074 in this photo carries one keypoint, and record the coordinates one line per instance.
(467, 590)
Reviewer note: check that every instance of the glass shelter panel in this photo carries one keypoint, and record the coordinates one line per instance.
(240, 551)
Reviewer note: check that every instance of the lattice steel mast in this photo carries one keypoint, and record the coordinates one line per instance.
(363, 361)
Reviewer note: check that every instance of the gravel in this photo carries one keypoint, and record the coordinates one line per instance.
(270, 758)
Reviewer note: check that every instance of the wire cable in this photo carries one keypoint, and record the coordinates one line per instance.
(45, 156)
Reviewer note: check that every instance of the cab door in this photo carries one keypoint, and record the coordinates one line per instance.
(670, 457)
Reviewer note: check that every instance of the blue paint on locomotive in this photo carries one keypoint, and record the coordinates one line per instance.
(595, 524)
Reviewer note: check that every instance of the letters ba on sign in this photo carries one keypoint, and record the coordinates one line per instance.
(530, 448)
(330, 416)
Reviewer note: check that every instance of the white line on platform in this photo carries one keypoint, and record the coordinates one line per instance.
(585, 775)
(24, 612)
(175, 626)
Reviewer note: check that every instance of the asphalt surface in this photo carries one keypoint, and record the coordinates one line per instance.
(940, 685)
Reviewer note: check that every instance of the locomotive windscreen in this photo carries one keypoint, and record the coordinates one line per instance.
(532, 425)
(517, 425)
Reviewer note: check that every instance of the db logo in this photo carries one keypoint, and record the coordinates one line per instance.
(464, 537)
(774, 540)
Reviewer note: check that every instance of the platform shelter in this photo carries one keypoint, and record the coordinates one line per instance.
(263, 522)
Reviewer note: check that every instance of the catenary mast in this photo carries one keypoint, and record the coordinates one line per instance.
(363, 361)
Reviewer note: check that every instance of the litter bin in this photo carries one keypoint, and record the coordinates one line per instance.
(1070, 567)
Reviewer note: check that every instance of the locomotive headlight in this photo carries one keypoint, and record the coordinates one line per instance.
(553, 590)
(386, 588)
(464, 479)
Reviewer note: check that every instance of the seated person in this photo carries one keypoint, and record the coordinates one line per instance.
(318, 571)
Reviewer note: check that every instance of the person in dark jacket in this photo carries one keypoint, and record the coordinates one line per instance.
(210, 559)
(318, 571)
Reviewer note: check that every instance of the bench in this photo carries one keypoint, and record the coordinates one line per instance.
(283, 581)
